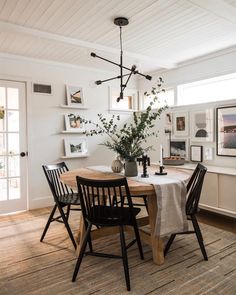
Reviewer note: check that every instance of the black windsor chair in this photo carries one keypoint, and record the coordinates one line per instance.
(63, 197)
(103, 205)
(194, 188)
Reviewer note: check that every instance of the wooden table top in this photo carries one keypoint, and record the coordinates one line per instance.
(136, 187)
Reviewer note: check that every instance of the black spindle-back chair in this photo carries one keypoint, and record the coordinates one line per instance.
(63, 197)
(194, 188)
(103, 204)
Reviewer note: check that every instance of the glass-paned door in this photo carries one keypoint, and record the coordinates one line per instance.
(13, 173)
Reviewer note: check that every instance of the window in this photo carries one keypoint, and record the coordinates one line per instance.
(209, 90)
(164, 98)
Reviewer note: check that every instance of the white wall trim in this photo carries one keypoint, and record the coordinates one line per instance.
(40, 202)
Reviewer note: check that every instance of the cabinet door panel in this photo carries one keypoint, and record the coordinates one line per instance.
(209, 195)
(227, 192)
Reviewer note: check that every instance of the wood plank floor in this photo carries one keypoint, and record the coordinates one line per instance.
(30, 267)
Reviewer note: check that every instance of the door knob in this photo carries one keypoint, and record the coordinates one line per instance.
(23, 154)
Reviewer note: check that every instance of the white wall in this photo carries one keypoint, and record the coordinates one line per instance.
(45, 118)
(207, 68)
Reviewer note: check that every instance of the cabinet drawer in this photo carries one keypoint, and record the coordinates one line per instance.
(227, 192)
(209, 195)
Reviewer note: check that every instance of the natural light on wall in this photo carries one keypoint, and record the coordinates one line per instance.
(166, 97)
(209, 90)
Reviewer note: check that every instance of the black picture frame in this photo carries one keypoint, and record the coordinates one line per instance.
(196, 153)
(226, 131)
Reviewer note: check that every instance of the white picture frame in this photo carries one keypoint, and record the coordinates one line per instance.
(202, 126)
(74, 123)
(181, 124)
(128, 104)
(75, 147)
(74, 95)
(179, 147)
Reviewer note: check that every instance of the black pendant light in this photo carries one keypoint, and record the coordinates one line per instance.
(121, 21)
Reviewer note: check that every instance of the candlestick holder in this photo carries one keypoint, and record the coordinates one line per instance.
(161, 171)
(144, 163)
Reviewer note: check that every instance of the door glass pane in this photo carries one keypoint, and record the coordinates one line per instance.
(14, 188)
(2, 97)
(3, 145)
(13, 121)
(12, 98)
(3, 167)
(13, 166)
(3, 189)
(13, 144)
(2, 123)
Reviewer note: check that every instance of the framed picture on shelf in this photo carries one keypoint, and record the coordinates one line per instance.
(196, 153)
(74, 123)
(74, 96)
(127, 104)
(180, 124)
(75, 147)
(202, 126)
(179, 148)
(226, 131)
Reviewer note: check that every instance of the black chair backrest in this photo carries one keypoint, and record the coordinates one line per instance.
(53, 173)
(194, 188)
(111, 193)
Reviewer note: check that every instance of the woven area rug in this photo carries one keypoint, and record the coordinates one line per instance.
(30, 267)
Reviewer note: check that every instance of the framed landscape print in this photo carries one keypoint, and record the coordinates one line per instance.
(75, 147)
(202, 126)
(226, 131)
(74, 96)
(74, 123)
(179, 148)
(180, 124)
(196, 153)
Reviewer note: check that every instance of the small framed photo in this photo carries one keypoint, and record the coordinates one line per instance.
(127, 104)
(168, 122)
(196, 153)
(75, 147)
(179, 148)
(74, 96)
(226, 131)
(181, 124)
(74, 123)
(202, 125)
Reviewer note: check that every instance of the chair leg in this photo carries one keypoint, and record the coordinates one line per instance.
(124, 256)
(170, 241)
(81, 253)
(68, 212)
(137, 236)
(48, 222)
(199, 237)
(67, 226)
(89, 238)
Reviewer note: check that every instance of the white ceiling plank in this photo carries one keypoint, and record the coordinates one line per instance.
(7, 9)
(50, 36)
(219, 8)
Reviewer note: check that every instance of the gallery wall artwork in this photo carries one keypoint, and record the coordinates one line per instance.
(181, 124)
(196, 153)
(202, 126)
(74, 96)
(226, 131)
(74, 123)
(179, 147)
(75, 147)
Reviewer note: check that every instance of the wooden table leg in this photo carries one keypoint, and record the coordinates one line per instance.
(80, 235)
(156, 242)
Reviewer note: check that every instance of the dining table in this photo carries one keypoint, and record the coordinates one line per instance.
(138, 186)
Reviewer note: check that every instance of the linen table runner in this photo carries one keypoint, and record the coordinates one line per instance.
(171, 199)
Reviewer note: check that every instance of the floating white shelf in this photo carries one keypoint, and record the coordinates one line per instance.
(71, 132)
(73, 107)
(75, 156)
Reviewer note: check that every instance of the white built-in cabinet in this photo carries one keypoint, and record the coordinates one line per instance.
(219, 189)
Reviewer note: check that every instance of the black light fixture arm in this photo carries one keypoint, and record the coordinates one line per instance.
(120, 21)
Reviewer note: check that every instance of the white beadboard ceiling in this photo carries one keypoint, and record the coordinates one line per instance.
(161, 33)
